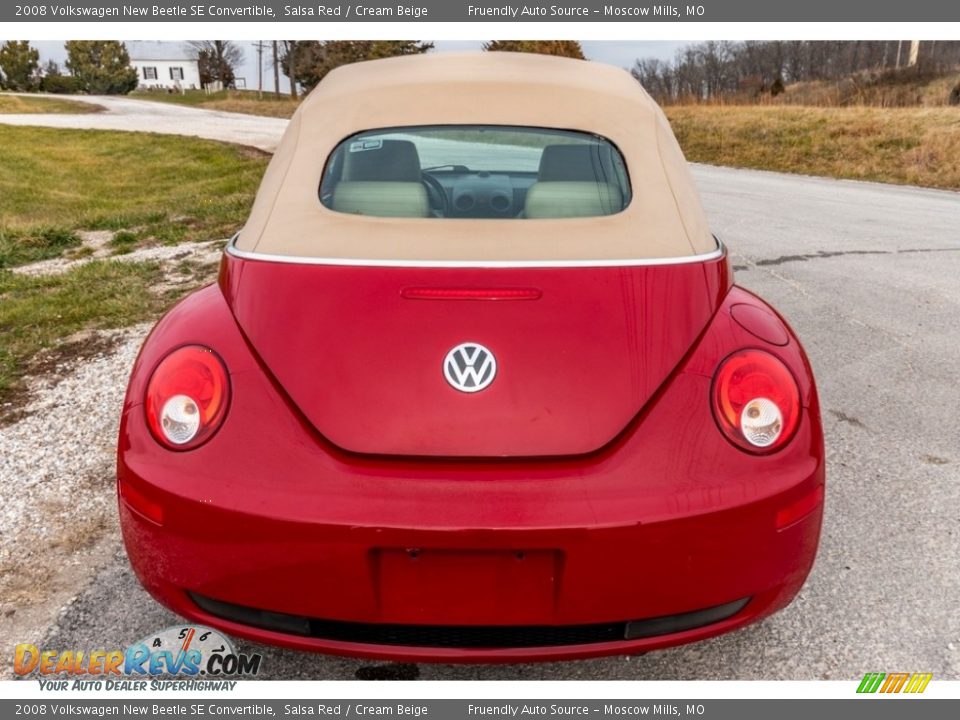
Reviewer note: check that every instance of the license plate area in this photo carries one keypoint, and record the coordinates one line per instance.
(467, 587)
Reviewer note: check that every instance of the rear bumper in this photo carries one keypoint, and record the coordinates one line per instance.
(377, 589)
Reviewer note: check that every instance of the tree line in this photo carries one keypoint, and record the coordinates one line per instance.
(703, 72)
(308, 61)
(103, 67)
(720, 70)
(95, 67)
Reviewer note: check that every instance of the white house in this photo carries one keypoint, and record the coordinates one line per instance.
(164, 65)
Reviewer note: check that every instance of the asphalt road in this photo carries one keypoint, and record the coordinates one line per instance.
(869, 276)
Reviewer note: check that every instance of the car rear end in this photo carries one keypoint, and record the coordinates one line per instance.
(474, 390)
(666, 532)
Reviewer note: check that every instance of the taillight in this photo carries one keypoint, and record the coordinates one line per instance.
(756, 401)
(187, 397)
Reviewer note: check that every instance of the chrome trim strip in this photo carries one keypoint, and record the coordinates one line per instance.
(363, 262)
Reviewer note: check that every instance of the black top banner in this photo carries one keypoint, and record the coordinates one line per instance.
(479, 11)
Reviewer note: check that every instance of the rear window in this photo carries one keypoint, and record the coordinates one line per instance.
(476, 171)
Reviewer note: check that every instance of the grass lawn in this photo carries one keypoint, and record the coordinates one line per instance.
(20, 104)
(36, 313)
(159, 188)
(915, 146)
(148, 188)
(240, 101)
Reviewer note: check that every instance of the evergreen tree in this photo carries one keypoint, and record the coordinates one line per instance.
(562, 48)
(313, 59)
(102, 67)
(19, 66)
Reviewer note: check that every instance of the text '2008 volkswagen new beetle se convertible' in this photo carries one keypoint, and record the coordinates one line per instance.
(475, 383)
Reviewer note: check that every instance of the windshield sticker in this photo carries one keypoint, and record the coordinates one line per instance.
(361, 145)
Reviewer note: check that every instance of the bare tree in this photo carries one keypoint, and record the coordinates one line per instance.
(218, 60)
(713, 70)
(289, 63)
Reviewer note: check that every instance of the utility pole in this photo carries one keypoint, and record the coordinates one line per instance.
(259, 46)
(292, 66)
(276, 70)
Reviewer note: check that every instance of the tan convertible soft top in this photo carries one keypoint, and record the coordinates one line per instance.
(663, 220)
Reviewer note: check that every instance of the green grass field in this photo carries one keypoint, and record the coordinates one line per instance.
(150, 188)
(36, 313)
(160, 188)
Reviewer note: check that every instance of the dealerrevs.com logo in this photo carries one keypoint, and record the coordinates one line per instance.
(181, 651)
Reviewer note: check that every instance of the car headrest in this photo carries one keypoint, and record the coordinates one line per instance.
(577, 163)
(382, 161)
(381, 199)
(569, 199)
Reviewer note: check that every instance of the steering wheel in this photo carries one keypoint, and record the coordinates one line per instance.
(436, 194)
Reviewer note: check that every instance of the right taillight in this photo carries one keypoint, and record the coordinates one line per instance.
(756, 401)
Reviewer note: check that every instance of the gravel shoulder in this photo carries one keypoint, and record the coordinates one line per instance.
(96, 246)
(57, 470)
(58, 521)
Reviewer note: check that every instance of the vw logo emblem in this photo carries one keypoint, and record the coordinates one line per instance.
(469, 367)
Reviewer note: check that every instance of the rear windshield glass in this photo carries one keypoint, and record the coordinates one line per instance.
(475, 171)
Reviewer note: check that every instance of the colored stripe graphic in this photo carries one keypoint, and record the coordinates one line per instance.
(894, 682)
(870, 683)
(918, 682)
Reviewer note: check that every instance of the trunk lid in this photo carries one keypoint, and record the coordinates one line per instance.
(362, 351)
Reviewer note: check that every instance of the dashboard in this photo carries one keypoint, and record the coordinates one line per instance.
(479, 193)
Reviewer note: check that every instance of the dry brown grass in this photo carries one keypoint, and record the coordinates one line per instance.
(915, 146)
(856, 91)
(282, 108)
(239, 101)
(24, 104)
(904, 89)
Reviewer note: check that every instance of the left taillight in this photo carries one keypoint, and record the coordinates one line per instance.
(187, 397)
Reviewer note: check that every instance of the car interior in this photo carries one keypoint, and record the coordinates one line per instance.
(384, 177)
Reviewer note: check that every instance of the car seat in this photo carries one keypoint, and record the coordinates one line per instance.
(381, 178)
(581, 180)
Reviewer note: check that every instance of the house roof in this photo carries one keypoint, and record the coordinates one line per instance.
(156, 50)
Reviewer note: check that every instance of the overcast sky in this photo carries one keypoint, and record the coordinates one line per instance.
(619, 53)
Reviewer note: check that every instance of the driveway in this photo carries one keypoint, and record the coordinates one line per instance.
(122, 113)
(868, 276)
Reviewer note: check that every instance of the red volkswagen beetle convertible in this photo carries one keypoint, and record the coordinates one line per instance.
(475, 384)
